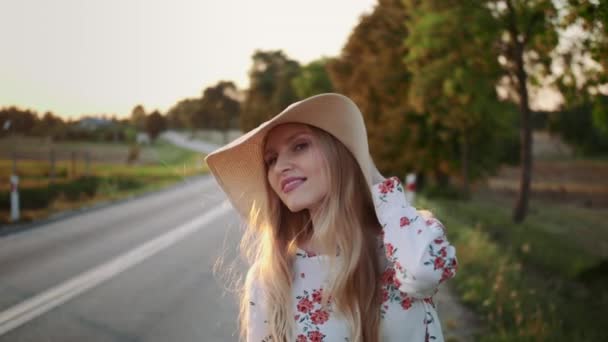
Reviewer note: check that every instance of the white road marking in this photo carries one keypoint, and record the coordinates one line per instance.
(55, 296)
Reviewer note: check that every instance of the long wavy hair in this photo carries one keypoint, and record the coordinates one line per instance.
(347, 225)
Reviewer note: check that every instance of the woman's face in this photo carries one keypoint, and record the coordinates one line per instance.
(296, 166)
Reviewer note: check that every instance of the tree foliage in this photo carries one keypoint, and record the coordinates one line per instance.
(370, 70)
(155, 123)
(454, 71)
(270, 87)
(312, 79)
(138, 117)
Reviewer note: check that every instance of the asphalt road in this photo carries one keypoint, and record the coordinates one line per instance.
(140, 270)
(170, 293)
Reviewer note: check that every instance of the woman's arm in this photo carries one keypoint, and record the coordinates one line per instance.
(257, 323)
(416, 244)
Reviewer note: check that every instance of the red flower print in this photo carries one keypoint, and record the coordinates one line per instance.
(406, 303)
(438, 241)
(447, 274)
(389, 249)
(439, 262)
(429, 300)
(443, 252)
(384, 295)
(301, 338)
(317, 295)
(305, 305)
(388, 276)
(315, 336)
(398, 266)
(386, 186)
(396, 282)
(404, 221)
(296, 317)
(319, 317)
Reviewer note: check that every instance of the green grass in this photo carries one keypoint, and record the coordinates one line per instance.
(538, 281)
(104, 181)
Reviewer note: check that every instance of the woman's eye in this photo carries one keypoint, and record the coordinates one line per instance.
(270, 161)
(301, 146)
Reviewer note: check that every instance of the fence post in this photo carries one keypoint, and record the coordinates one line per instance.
(14, 155)
(52, 171)
(87, 160)
(73, 173)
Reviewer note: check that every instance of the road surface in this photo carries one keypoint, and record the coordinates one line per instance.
(170, 295)
(140, 270)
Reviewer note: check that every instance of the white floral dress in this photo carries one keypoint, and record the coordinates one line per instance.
(417, 258)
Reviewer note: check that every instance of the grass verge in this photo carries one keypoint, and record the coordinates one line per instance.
(40, 198)
(543, 280)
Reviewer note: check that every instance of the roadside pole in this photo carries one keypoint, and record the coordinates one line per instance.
(410, 187)
(14, 198)
(14, 188)
(14, 180)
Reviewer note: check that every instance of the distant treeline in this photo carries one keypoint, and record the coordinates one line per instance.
(443, 99)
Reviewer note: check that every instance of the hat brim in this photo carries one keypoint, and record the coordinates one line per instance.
(239, 168)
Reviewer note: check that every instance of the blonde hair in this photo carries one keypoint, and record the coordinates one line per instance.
(347, 225)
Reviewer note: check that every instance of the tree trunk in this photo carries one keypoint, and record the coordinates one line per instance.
(521, 206)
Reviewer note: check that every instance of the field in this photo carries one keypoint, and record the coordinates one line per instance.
(544, 279)
(573, 181)
(106, 176)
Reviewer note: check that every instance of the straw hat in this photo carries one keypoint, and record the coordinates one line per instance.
(239, 166)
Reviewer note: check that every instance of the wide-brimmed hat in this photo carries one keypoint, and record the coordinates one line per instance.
(239, 166)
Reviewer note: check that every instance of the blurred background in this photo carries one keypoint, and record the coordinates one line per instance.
(500, 109)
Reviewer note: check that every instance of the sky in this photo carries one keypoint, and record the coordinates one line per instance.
(85, 57)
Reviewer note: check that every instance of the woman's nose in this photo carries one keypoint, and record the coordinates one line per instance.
(283, 164)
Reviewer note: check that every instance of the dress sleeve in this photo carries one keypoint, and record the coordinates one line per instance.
(416, 245)
(257, 318)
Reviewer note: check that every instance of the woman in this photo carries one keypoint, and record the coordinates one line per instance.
(336, 252)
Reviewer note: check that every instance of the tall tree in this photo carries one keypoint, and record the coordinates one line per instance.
(183, 114)
(454, 71)
(313, 79)
(138, 117)
(155, 123)
(221, 104)
(370, 70)
(528, 36)
(270, 87)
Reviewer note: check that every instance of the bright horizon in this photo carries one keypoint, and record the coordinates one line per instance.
(76, 57)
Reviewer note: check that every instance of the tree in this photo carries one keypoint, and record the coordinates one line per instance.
(138, 117)
(313, 79)
(22, 121)
(270, 87)
(585, 61)
(183, 114)
(155, 123)
(220, 105)
(584, 126)
(370, 70)
(454, 71)
(527, 37)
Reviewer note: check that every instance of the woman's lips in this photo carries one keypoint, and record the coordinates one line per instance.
(292, 185)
